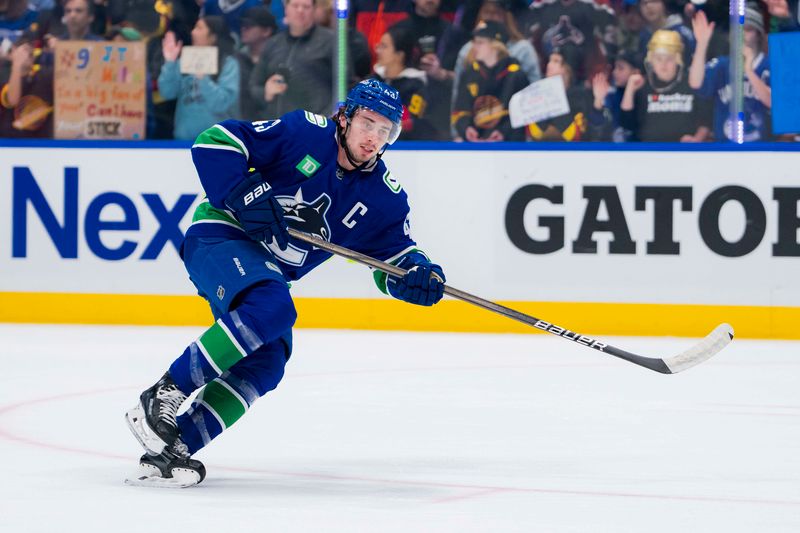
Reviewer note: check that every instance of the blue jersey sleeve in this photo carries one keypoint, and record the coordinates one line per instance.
(762, 69)
(392, 234)
(391, 241)
(715, 77)
(225, 152)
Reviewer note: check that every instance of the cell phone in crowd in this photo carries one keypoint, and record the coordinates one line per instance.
(285, 72)
(5, 46)
(427, 44)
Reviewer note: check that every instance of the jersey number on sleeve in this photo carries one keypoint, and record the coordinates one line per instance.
(264, 125)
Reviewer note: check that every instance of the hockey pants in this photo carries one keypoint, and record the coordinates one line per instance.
(242, 356)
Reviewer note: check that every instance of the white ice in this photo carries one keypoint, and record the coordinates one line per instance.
(402, 432)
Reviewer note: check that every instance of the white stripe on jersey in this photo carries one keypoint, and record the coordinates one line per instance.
(235, 139)
(217, 147)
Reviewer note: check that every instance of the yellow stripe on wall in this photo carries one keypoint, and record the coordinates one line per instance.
(383, 314)
(137, 309)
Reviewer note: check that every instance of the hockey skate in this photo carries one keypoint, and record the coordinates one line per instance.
(152, 420)
(173, 468)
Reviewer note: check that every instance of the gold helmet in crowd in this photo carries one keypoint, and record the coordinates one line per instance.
(665, 42)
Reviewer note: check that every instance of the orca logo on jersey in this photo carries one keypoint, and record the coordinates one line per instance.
(255, 193)
(308, 217)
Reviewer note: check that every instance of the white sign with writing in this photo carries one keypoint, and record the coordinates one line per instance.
(199, 60)
(538, 101)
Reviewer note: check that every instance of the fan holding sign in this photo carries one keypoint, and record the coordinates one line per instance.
(556, 109)
(207, 88)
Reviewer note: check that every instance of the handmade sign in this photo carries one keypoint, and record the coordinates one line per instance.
(542, 99)
(199, 60)
(99, 90)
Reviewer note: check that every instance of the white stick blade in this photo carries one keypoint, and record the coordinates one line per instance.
(703, 350)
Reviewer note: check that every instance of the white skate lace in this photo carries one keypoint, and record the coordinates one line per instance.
(171, 399)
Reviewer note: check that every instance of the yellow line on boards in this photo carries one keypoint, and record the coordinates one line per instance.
(385, 314)
(135, 309)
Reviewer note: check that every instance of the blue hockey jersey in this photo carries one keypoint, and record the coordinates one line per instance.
(716, 84)
(364, 210)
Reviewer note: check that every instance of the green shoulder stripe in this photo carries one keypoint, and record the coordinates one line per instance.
(220, 138)
(205, 212)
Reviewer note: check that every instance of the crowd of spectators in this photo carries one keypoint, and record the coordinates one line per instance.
(632, 70)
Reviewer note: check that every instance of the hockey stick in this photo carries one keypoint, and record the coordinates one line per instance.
(715, 341)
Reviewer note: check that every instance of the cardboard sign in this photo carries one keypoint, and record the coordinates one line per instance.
(199, 60)
(784, 49)
(99, 90)
(538, 101)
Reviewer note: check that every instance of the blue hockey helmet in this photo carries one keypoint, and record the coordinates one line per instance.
(378, 97)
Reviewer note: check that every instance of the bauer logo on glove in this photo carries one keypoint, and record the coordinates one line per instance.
(257, 210)
(255, 193)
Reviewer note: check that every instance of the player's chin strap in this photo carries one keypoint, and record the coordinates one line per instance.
(342, 134)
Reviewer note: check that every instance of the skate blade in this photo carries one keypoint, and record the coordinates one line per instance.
(175, 482)
(149, 475)
(137, 423)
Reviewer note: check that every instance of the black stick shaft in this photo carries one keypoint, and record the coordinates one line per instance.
(654, 364)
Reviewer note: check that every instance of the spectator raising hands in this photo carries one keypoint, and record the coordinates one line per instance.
(171, 47)
(202, 100)
(600, 89)
(626, 64)
(712, 79)
(660, 106)
(21, 63)
(588, 118)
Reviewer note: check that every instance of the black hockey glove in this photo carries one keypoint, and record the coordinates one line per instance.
(423, 284)
(258, 211)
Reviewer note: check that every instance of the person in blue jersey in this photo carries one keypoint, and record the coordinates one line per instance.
(318, 175)
(16, 17)
(712, 79)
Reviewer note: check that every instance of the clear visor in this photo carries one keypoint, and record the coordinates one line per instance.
(381, 128)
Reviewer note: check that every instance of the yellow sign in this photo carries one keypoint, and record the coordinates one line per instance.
(100, 90)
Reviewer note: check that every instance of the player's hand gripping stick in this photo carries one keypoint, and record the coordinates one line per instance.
(258, 211)
(423, 284)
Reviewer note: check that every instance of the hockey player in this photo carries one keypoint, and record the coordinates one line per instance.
(318, 175)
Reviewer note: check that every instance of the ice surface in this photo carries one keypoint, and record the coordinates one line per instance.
(391, 432)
